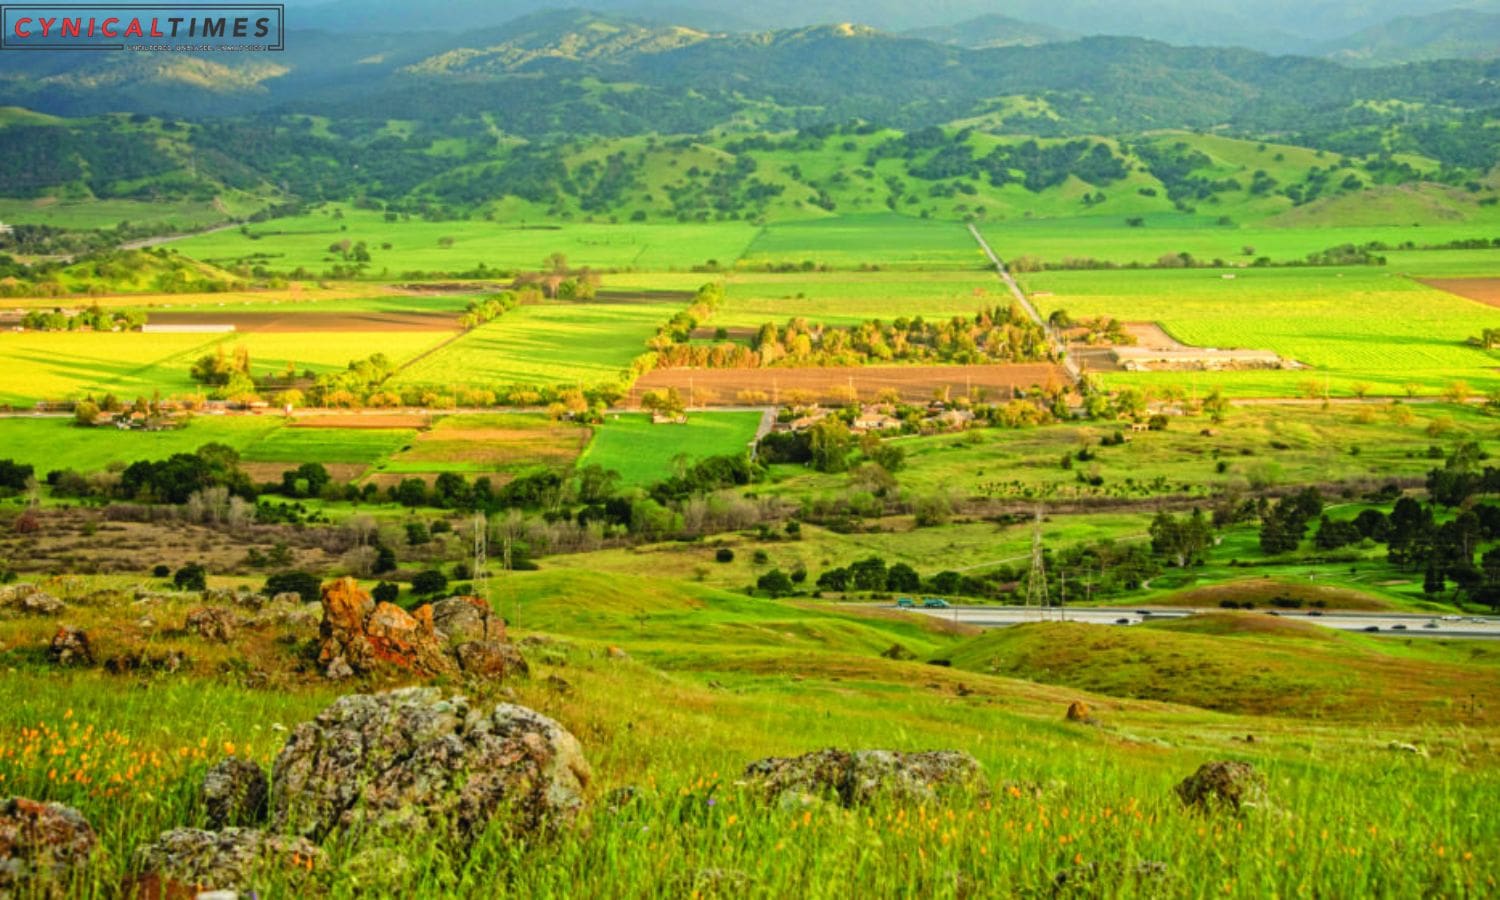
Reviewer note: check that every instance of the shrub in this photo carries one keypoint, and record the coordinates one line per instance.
(724, 555)
(385, 592)
(430, 581)
(191, 577)
(161, 570)
(775, 582)
(304, 584)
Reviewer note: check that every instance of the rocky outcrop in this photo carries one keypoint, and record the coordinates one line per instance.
(861, 776)
(1227, 784)
(898, 652)
(30, 600)
(235, 793)
(412, 761)
(70, 647)
(1078, 711)
(41, 844)
(212, 623)
(187, 862)
(455, 636)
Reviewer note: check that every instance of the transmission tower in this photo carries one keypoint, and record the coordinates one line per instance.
(481, 562)
(1036, 583)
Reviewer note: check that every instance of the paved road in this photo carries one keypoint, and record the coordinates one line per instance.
(1395, 624)
(1021, 298)
(160, 239)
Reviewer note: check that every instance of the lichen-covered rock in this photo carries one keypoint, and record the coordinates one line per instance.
(212, 623)
(861, 776)
(188, 861)
(359, 636)
(29, 599)
(235, 792)
(460, 620)
(408, 761)
(40, 846)
(288, 597)
(494, 660)
(70, 647)
(1229, 784)
(168, 663)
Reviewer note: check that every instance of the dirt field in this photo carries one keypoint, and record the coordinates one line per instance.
(1480, 290)
(314, 321)
(914, 383)
(271, 471)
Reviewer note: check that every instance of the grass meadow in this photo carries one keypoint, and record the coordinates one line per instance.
(714, 681)
(849, 242)
(848, 298)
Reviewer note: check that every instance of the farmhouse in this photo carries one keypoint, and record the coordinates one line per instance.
(872, 419)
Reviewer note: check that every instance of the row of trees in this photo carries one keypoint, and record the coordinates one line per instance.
(91, 319)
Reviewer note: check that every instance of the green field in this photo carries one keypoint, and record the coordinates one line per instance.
(849, 298)
(55, 443)
(85, 214)
(644, 453)
(849, 242)
(64, 365)
(545, 344)
(286, 244)
(1348, 325)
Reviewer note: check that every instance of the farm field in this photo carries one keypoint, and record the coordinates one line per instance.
(849, 298)
(181, 214)
(834, 385)
(286, 244)
(545, 344)
(498, 446)
(1349, 326)
(849, 242)
(644, 453)
(1107, 238)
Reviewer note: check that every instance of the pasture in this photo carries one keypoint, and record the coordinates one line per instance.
(1350, 326)
(284, 245)
(644, 453)
(498, 446)
(914, 383)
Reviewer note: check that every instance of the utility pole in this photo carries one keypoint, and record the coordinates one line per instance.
(481, 571)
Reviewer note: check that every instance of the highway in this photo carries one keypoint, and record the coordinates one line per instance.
(1390, 624)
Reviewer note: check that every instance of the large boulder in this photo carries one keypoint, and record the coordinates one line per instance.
(1226, 784)
(407, 761)
(854, 778)
(70, 647)
(212, 623)
(460, 620)
(235, 792)
(41, 844)
(188, 862)
(359, 636)
(29, 599)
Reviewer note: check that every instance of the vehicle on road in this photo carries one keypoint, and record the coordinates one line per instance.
(934, 603)
(1398, 627)
(1372, 628)
(1430, 625)
(905, 603)
(1122, 621)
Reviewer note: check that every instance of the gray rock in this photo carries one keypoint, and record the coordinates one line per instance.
(496, 660)
(212, 623)
(29, 599)
(860, 777)
(41, 844)
(1226, 784)
(464, 619)
(187, 861)
(410, 761)
(235, 792)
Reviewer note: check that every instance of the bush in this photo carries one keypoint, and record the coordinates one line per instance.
(161, 570)
(724, 555)
(430, 581)
(385, 592)
(191, 577)
(304, 584)
(775, 582)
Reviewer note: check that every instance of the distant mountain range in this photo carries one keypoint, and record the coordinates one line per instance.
(1451, 34)
(574, 72)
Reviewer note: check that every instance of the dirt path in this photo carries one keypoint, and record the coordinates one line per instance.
(1020, 295)
(143, 243)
